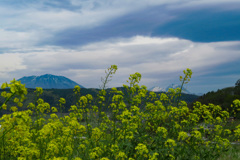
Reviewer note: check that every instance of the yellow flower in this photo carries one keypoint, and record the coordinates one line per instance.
(20, 104)
(114, 148)
(62, 101)
(73, 108)
(227, 131)
(121, 155)
(83, 100)
(219, 120)
(77, 89)
(16, 100)
(218, 129)
(196, 134)
(14, 108)
(96, 153)
(39, 90)
(68, 150)
(170, 143)
(89, 97)
(4, 94)
(4, 106)
(96, 134)
(141, 149)
(52, 148)
(4, 85)
(154, 156)
(182, 136)
(53, 116)
(82, 147)
(171, 157)
(40, 101)
(60, 158)
(162, 132)
(54, 109)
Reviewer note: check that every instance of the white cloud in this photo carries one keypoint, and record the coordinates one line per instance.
(11, 62)
(18, 39)
(157, 59)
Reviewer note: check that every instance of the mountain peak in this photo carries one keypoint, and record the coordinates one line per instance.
(47, 75)
(174, 86)
(48, 81)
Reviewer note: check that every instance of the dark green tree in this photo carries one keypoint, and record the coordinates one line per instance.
(237, 83)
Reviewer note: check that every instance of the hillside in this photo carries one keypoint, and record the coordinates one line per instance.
(52, 97)
(223, 97)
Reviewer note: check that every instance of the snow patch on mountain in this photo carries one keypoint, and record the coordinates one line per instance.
(174, 86)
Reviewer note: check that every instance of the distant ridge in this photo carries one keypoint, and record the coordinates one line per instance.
(174, 86)
(48, 81)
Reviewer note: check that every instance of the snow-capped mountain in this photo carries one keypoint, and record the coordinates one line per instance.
(48, 81)
(158, 89)
(174, 86)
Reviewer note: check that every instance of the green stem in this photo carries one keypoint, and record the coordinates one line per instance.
(114, 128)
(7, 100)
(180, 92)
(106, 79)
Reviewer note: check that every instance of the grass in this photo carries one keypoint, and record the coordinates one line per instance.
(232, 154)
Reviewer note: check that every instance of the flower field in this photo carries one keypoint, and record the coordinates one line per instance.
(138, 125)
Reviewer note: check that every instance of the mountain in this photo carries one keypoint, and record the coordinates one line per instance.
(174, 86)
(158, 89)
(48, 81)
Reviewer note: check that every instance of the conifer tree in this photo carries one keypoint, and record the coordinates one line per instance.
(237, 84)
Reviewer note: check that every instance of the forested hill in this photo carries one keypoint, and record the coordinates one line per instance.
(223, 97)
(52, 97)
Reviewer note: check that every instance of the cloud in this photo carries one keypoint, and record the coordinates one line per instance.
(18, 39)
(10, 63)
(59, 15)
(45, 15)
(71, 23)
(157, 59)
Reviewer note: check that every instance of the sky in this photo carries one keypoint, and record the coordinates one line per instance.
(80, 39)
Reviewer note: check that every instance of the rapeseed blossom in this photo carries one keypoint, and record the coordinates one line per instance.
(169, 143)
(142, 150)
(182, 136)
(161, 131)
